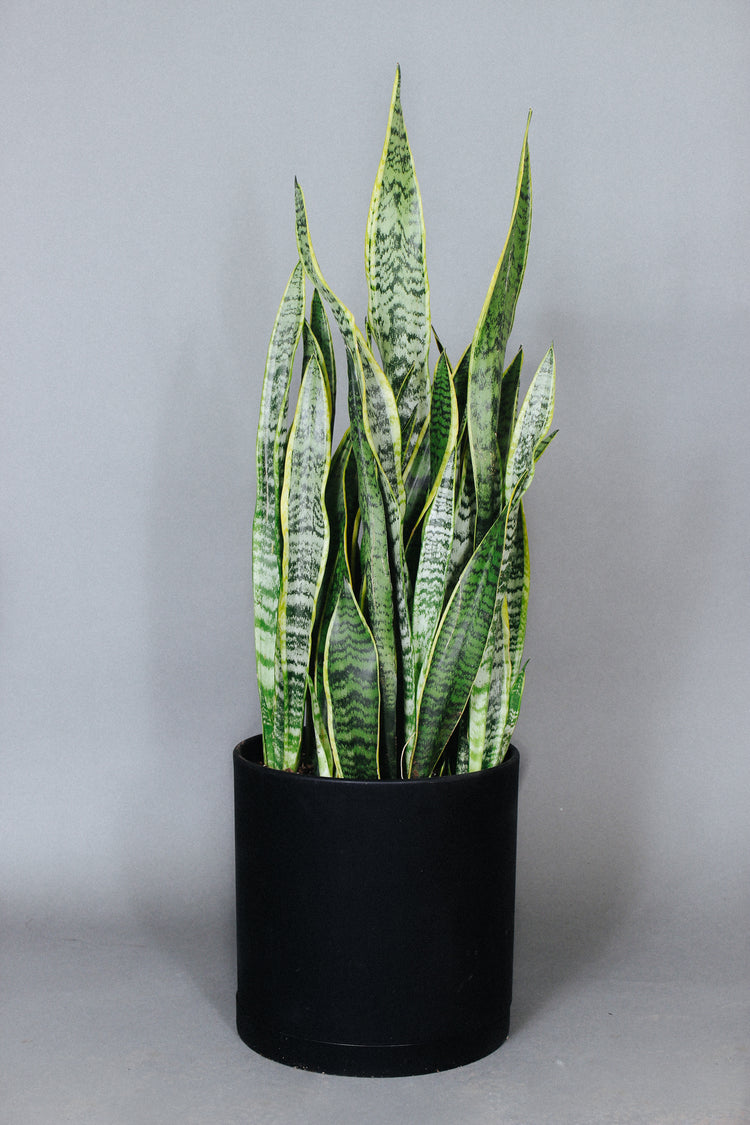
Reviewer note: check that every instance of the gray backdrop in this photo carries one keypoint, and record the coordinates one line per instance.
(147, 234)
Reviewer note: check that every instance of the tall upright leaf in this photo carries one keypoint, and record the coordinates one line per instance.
(321, 330)
(508, 407)
(339, 503)
(399, 295)
(350, 672)
(441, 437)
(488, 706)
(270, 453)
(488, 351)
(305, 533)
(450, 670)
(514, 708)
(375, 442)
(434, 560)
(464, 523)
(517, 574)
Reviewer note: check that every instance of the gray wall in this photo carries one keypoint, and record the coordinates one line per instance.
(147, 234)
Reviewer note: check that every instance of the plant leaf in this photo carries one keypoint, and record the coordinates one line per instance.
(533, 422)
(305, 534)
(464, 524)
(488, 706)
(514, 709)
(447, 676)
(323, 750)
(375, 443)
(350, 673)
(338, 504)
(508, 407)
(399, 296)
(488, 351)
(441, 442)
(270, 453)
(321, 330)
(429, 587)
(516, 578)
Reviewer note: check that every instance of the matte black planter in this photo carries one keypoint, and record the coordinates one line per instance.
(374, 918)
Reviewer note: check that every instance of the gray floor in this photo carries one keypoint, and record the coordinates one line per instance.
(116, 1022)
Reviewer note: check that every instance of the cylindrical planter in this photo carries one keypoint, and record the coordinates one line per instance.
(374, 918)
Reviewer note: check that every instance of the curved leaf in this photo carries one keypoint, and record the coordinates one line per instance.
(533, 422)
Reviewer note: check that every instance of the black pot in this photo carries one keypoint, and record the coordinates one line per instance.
(374, 918)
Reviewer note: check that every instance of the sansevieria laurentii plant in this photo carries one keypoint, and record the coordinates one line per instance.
(391, 576)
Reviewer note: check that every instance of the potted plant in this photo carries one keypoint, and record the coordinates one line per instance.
(376, 811)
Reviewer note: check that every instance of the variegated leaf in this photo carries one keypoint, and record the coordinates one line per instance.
(338, 503)
(322, 332)
(323, 751)
(516, 578)
(533, 422)
(514, 709)
(442, 435)
(270, 453)
(350, 672)
(488, 706)
(305, 534)
(508, 408)
(399, 296)
(429, 587)
(381, 495)
(464, 524)
(488, 352)
(448, 674)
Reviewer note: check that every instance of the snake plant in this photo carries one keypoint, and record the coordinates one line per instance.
(391, 575)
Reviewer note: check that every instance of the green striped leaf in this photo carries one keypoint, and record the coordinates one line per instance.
(514, 709)
(542, 445)
(375, 442)
(508, 407)
(461, 387)
(533, 422)
(516, 578)
(442, 436)
(488, 351)
(399, 296)
(488, 706)
(270, 453)
(323, 751)
(448, 674)
(321, 330)
(434, 559)
(350, 672)
(464, 524)
(339, 503)
(305, 534)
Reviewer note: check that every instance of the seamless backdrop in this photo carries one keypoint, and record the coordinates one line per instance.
(149, 151)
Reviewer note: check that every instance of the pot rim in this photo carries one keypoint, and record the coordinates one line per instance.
(239, 754)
